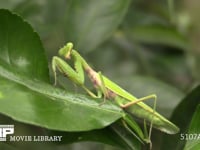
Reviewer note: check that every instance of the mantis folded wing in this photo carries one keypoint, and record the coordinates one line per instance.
(110, 90)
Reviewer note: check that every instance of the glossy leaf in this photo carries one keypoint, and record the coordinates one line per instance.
(193, 136)
(21, 49)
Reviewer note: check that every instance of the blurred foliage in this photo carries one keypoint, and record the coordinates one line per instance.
(147, 47)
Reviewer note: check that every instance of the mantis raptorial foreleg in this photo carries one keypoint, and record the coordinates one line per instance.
(77, 75)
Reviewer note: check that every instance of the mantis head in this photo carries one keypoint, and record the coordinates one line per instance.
(66, 50)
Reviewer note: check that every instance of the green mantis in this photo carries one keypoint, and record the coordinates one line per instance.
(110, 90)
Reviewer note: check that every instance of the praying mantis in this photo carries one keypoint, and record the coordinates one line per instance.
(109, 90)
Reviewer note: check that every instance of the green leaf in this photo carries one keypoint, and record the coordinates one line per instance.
(182, 117)
(193, 143)
(158, 34)
(25, 94)
(90, 22)
(21, 49)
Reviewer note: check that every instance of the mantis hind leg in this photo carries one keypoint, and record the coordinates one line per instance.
(153, 96)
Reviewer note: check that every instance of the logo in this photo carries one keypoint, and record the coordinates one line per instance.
(5, 130)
